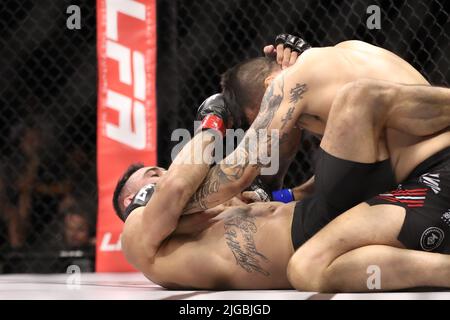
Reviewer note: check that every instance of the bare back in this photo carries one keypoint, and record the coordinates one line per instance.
(353, 60)
(248, 247)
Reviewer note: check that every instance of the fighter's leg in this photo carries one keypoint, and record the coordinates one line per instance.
(337, 258)
(355, 125)
(419, 110)
(354, 132)
(352, 164)
(364, 108)
(398, 269)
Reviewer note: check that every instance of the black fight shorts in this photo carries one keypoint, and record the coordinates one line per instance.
(339, 186)
(425, 195)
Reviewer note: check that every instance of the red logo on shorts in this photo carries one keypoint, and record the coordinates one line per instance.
(413, 198)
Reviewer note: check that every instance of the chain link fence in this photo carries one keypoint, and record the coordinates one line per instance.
(199, 40)
(48, 79)
(47, 136)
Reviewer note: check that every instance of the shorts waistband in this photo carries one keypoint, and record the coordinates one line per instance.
(432, 162)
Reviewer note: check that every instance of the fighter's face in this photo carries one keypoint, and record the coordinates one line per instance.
(148, 175)
(141, 178)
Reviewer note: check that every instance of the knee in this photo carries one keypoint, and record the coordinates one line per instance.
(307, 272)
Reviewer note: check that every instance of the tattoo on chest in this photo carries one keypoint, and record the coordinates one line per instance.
(239, 232)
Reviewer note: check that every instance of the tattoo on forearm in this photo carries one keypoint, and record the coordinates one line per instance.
(209, 186)
(224, 173)
(239, 231)
(220, 174)
(269, 106)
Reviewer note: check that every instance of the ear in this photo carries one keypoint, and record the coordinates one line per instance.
(268, 80)
(127, 200)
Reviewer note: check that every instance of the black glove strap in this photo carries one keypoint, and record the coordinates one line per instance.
(141, 199)
(292, 42)
(281, 39)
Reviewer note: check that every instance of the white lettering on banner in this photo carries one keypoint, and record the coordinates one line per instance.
(128, 7)
(139, 75)
(122, 55)
(107, 245)
(123, 132)
(131, 66)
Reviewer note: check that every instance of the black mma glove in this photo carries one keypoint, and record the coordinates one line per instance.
(214, 114)
(292, 42)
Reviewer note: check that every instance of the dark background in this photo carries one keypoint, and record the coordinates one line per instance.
(48, 85)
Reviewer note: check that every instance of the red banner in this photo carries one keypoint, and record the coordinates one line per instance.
(126, 132)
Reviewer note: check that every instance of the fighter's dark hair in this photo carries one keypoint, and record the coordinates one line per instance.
(243, 86)
(118, 191)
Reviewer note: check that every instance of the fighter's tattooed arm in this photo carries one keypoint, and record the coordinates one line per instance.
(147, 228)
(280, 109)
(220, 175)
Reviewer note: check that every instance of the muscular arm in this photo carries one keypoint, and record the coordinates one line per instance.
(147, 227)
(280, 109)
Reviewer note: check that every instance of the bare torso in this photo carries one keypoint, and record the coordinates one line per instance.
(247, 248)
(353, 60)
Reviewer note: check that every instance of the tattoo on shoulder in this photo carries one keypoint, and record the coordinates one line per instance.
(239, 231)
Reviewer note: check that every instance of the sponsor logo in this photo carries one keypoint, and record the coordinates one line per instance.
(446, 217)
(130, 128)
(413, 198)
(432, 181)
(108, 244)
(431, 238)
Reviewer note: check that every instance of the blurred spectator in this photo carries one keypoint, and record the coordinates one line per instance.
(67, 202)
(78, 242)
(77, 229)
(32, 182)
(20, 177)
(80, 171)
(5, 211)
